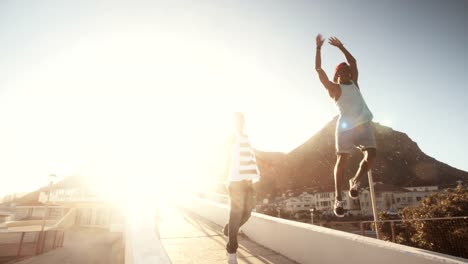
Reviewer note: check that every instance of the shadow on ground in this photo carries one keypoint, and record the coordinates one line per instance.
(189, 238)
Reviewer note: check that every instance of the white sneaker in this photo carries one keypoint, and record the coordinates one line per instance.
(338, 208)
(232, 258)
(354, 189)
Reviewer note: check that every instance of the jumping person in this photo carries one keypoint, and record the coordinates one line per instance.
(354, 124)
(243, 172)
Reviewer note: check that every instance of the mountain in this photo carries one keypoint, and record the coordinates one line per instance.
(399, 162)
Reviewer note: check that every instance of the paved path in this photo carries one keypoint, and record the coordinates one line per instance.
(188, 238)
(185, 237)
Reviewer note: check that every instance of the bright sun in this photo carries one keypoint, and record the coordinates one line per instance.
(147, 116)
(184, 159)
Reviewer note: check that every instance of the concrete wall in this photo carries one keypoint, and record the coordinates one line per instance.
(37, 212)
(15, 237)
(307, 243)
(11, 224)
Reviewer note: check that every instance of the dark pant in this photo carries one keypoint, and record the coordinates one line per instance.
(241, 195)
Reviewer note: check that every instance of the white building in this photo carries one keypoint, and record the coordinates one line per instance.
(410, 199)
(304, 201)
(93, 210)
(423, 188)
(322, 201)
(388, 198)
(393, 198)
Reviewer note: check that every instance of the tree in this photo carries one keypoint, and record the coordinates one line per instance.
(444, 236)
(400, 229)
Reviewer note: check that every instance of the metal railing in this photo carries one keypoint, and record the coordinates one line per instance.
(16, 245)
(19, 244)
(446, 235)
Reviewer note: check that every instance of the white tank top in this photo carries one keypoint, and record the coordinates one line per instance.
(352, 108)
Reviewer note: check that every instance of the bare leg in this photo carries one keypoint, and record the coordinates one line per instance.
(340, 166)
(366, 164)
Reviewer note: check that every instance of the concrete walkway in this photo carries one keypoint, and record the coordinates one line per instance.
(188, 238)
(185, 238)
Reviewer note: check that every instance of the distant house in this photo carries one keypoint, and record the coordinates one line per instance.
(393, 198)
(93, 210)
(324, 200)
(303, 201)
(389, 198)
(321, 201)
(423, 188)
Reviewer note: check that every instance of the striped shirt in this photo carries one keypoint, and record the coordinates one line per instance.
(243, 162)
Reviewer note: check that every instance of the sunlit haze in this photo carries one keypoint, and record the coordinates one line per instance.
(139, 96)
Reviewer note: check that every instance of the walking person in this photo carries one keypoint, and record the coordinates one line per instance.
(354, 125)
(243, 172)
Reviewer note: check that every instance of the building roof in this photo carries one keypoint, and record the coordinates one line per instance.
(383, 187)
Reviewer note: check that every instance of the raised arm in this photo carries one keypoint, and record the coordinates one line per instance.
(330, 86)
(334, 41)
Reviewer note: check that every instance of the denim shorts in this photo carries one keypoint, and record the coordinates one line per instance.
(361, 137)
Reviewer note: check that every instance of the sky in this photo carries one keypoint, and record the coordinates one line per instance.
(144, 90)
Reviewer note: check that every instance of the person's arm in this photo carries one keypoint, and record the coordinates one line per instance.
(330, 86)
(334, 41)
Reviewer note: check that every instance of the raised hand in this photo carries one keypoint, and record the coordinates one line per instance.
(334, 41)
(319, 40)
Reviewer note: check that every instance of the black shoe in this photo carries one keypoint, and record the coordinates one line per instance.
(353, 189)
(226, 230)
(338, 208)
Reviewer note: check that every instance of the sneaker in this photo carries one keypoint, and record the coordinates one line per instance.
(353, 189)
(339, 210)
(226, 230)
(232, 258)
